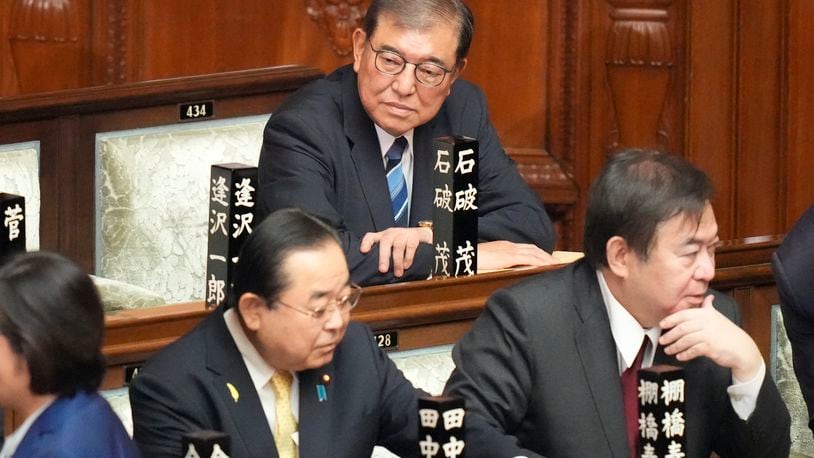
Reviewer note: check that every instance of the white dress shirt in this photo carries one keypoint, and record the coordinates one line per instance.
(628, 335)
(260, 372)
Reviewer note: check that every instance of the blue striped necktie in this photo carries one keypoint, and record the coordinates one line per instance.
(396, 181)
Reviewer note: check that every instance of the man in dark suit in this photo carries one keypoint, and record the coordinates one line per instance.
(540, 370)
(280, 371)
(326, 149)
(793, 264)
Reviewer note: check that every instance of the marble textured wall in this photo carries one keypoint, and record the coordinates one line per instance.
(782, 370)
(152, 201)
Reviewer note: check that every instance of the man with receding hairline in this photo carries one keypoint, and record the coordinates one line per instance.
(328, 148)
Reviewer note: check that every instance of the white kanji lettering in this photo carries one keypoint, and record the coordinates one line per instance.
(442, 257)
(648, 427)
(429, 417)
(465, 199)
(465, 165)
(215, 290)
(465, 254)
(648, 392)
(244, 193)
(674, 450)
(218, 222)
(442, 161)
(220, 192)
(672, 390)
(443, 198)
(673, 423)
(244, 224)
(453, 418)
(648, 451)
(453, 448)
(428, 447)
(12, 221)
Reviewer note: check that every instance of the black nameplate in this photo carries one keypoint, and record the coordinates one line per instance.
(232, 194)
(196, 110)
(130, 372)
(387, 340)
(12, 224)
(455, 207)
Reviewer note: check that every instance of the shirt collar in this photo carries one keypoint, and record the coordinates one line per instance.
(259, 370)
(386, 141)
(627, 332)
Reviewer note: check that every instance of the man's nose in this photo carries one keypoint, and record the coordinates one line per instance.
(404, 83)
(705, 270)
(336, 319)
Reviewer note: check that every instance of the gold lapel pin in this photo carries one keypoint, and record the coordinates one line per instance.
(233, 391)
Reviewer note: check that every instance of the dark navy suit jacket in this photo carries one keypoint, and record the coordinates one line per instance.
(793, 264)
(321, 153)
(80, 426)
(184, 388)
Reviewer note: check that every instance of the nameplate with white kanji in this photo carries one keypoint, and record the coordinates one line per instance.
(232, 195)
(455, 206)
(662, 421)
(441, 427)
(12, 231)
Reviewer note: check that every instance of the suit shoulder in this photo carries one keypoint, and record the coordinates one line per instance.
(464, 96)
(358, 334)
(551, 282)
(316, 97)
(189, 349)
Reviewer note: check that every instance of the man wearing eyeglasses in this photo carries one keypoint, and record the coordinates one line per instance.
(356, 148)
(279, 368)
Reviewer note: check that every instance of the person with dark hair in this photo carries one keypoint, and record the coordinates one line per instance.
(279, 368)
(51, 364)
(356, 148)
(793, 265)
(545, 369)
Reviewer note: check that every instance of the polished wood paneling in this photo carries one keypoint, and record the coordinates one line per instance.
(798, 166)
(711, 93)
(66, 124)
(758, 207)
(723, 82)
(509, 60)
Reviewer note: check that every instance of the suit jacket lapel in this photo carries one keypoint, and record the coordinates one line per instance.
(366, 155)
(597, 352)
(43, 426)
(231, 382)
(315, 423)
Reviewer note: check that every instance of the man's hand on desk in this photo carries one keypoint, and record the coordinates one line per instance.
(502, 254)
(398, 243)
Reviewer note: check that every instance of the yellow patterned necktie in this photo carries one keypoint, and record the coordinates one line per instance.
(286, 424)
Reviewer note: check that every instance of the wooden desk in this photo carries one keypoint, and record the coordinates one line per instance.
(436, 312)
(424, 313)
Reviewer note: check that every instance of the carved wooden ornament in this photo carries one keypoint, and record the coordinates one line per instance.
(338, 19)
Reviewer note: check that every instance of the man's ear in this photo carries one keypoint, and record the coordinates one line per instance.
(459, 68)
(250, 307)
(359, 38)
(618, 253)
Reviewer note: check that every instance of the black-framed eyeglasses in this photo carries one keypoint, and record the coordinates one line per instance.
(392, 63)
(322, 312)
